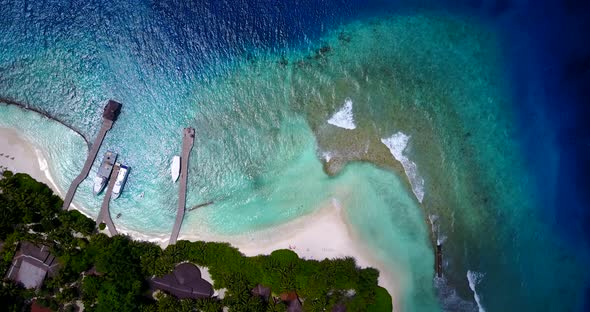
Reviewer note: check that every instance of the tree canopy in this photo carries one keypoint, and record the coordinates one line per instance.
(110, 273)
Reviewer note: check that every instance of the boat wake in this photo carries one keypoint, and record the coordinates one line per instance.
(344, 117)
(397, 144)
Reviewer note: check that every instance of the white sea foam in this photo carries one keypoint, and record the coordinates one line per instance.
(449, 299)
(433, 218)
(397, 144)
(435, 227)
(327, 156)
(474, 278)
(344, 117)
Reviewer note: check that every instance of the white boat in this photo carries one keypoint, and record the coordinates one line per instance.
(175, 168)
(99, 184)
(120, 182)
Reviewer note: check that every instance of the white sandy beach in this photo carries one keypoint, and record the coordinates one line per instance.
(25, 157)
(320, 235)
(19, 155)
(324, 234)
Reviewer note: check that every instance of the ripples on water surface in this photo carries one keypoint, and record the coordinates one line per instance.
(280, 94)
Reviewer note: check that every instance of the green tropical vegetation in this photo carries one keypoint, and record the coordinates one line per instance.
(121, 266)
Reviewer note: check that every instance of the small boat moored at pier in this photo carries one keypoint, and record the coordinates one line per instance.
(99, 184)
(175, 168)
(120, 182)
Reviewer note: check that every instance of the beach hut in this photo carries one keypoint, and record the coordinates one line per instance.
(184, 282)
(111, 110)
(31, 264)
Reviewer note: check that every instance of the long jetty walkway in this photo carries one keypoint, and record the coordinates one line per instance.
(110, 114)
(105, 214)
(187, 145)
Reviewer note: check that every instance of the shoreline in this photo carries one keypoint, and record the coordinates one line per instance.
(324, 233)
(28, 159)
(25, 158)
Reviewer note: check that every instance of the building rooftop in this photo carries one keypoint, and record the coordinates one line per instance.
(36, 307)
(184, 282)
(32, 264)
(112, 110)
(262, 292)
(292, 300)
(294, 306)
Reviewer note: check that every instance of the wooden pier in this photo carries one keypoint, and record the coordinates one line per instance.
(109, 116)
(438, 262)
(187, 145)
(105, 215)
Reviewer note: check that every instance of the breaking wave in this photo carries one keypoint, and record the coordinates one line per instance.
(474, 278)
(450, 299)
(397, 144)
(344, 117)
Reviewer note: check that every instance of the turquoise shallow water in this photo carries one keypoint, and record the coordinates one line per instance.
(264, 143)
(64, 149)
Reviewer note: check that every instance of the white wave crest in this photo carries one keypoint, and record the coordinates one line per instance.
(397, 144)
(474, 278)
(344, 117)
(433, 218)
(327, 156)
(449, 299)
(435, 227)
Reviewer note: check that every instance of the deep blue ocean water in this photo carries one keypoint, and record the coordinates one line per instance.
(159, 58)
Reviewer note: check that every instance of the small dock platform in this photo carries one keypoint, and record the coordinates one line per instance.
(109, 116)
(188, 140)
(105, 215)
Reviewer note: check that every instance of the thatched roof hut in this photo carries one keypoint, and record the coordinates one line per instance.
(112, 110)
(32, 264)
(183, 283)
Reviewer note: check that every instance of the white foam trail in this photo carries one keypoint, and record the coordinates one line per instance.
(474, 278)
(344, 117)
(397, 144)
